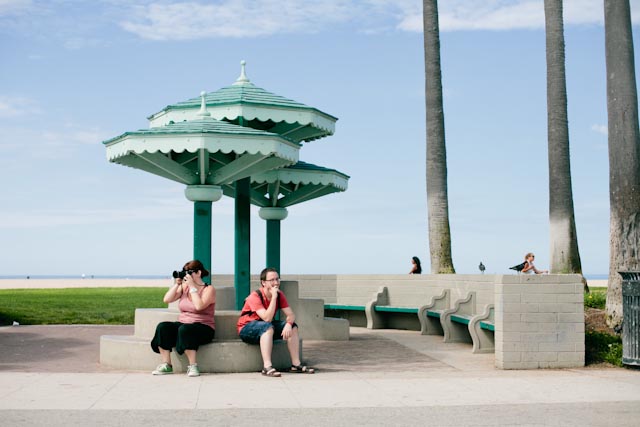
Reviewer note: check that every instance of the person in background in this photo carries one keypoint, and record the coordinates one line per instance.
(195, 326)
(529, 267)
(416, 268)
(257, 325)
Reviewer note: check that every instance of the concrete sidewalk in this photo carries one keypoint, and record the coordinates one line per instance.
(49, 375)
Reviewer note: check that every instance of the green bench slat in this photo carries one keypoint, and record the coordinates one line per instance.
(396, 309)
(487, 325)
(460, 319)
(433, 314)
(344, 307)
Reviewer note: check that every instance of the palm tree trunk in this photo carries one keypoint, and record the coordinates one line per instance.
(437, 198)
(565, 257)
(624, 152)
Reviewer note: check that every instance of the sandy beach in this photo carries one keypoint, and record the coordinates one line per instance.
(598, 283)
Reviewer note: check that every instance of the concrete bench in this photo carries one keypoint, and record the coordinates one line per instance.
(537, 320)
(345, 307)
(226, 353)
(354, 314)
(378, 313)
(455, 321)
(482, 330)
(460, 323)
(430, 314)
(351, 293)
(387, 312)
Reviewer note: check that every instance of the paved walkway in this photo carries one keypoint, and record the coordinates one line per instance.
(49, 375)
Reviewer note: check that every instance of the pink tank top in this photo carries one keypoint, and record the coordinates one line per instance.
(189, 314)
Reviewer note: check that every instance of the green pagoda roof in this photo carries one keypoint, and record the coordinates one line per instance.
(203, 125)
(202, 151)
(293, 184)
(247, 105)
(247, 93)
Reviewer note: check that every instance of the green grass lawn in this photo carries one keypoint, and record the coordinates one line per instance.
(81, 306)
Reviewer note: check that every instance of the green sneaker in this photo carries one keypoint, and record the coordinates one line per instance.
(193, 371)
(163, 369)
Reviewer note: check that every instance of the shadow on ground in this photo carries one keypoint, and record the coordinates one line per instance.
(48, 348)
(76, 348)
(366, 352)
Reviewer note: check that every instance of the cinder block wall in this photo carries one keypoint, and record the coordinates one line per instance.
(315, 286)
(539, 321)
(358, 289)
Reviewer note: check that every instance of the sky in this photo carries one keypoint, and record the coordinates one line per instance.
(75, 73)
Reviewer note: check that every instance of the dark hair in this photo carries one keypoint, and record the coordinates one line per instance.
(263, 274)
(196, 265)
(418, 266)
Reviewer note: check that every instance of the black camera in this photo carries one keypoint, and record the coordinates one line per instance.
(181, 274)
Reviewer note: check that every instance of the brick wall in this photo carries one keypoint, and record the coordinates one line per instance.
(539, 321)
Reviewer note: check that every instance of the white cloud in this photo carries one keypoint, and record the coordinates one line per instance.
(76, 28)
(12, 7)
(77, 216)
(76, 43)
(49, 142)
(71, 135)
(66, 22)
(464, 15)
(234, 18)
(245, 18)
(16, 106)
(492, 16)
(603, 129)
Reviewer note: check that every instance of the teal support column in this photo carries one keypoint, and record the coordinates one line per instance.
(242, 268)
(273, 244)
(202, 235)
(202, 197)
(274, 217)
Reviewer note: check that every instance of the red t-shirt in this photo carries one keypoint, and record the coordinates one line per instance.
(253, 303)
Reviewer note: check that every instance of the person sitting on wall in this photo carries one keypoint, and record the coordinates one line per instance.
(416, 268)
(195, 326)
(257, 325)
(529, 267)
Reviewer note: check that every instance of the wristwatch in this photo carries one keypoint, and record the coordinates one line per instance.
(193, 290)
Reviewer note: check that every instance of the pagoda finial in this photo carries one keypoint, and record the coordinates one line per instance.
(203, 106)
(243, 77)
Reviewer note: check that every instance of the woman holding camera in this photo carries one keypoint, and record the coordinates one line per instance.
(195, 326)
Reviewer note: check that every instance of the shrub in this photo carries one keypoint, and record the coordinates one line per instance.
(595, 299)
(602, 347)
(614, 355)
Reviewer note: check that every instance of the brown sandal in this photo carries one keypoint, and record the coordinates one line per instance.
(302, 369)
(270, 372)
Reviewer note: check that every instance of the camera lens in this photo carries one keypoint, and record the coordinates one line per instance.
(178, 274)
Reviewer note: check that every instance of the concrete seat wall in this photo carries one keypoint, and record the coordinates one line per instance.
(539, 319)
(226, 353)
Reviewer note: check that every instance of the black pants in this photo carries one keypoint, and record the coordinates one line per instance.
(182, 336)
